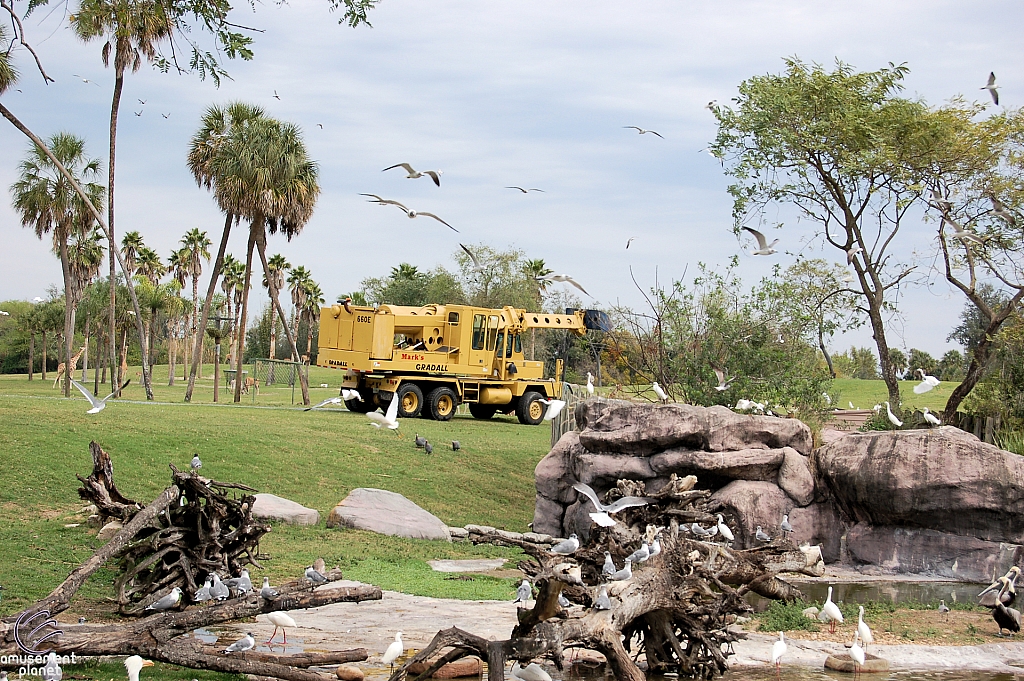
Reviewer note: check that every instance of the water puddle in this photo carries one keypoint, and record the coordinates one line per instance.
(893, 592)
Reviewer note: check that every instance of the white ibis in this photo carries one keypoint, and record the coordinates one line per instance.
(778, 650)
(831, 612)
(280, 621)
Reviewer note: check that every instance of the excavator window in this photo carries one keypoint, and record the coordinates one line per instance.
(519, 346)
(453, 318)
(509, 345)
(478, 331)
(492, 330)
(500, 343)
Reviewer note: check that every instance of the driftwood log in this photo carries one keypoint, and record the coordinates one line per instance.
(676, 610)
(164, 636)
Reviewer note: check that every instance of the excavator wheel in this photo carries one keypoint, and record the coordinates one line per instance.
(410, 400)
(530, 410)
(441, 404)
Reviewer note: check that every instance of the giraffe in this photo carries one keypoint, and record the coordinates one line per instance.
(62, 367)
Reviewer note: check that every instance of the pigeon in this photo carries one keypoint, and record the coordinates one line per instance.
(625, 573)
(268, 592)
(419, 441)
(992, 88)
(609, 564)
(603, 515)
(219, 590)
(763, 247)
(167, 602)
(413, 174)
(567, 547)
(785, 526)
(456, 446)
(761, 536)
(247, 642)
(203, 594)
(428, 448)
(641, 554)
(524, 592)
(196, 463)
(642, 131)
(602, 602)
(315, 577)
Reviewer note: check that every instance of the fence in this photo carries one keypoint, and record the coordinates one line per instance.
(985, 428)
(269, 372)
(566, 419)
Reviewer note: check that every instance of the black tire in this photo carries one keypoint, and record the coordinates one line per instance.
(530, 410)
(364, 406)
(441, 404)
(482, 411)
(410, 399)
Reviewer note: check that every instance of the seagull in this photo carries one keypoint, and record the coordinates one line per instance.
(531, 672)
(830, 612)
(137, 113)
(166, 115)
(219, 590)
(562, 278)
(268, 592)
(320, 125)
(603, 515)
(629, 241)
(419, 441)
(242, 583)
(53, 672)
(892, 417)
(477, 267)
(609, 565)
(456, 446)
(524, 190)
(727, 534)
(329, 400)
(143, 103)
(97, 405)
(656, 547)
(712, 531)
(963, 234)
(413, 174)
(409, 212)
(243, 644)
(863, 629)
(394, 651)
(931, 418)
(999, 209)
(927, 382)
(641, 554)
(763, 247)
(856, 652)
(388, 420)
(943, 608)
(659, 391)
(992, 88)
(567, 547)
(280, 621)
(624, 574)
(698, 530)
(197, 463)
(853, 250)
(167, 602)
(602, 602)
(524, 592)
(785, 526)
(722, 383)
(554, 408)
(203, 594)
(85, 80)
(276, 96)
(134, 665)
(778, 650)
(642, 131)
(315, 577)
(761, 536)
(563, 601)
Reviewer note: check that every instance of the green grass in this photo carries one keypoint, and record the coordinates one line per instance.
(866, 394)
(313, 458)
(102, 671)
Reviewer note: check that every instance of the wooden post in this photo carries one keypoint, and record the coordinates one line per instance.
(977, 426)
(990, 430)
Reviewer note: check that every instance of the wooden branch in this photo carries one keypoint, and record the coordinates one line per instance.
(303, 660)
(99, 488)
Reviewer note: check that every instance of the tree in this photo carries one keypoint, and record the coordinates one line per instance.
(534, 270)
(952, 367)
(846, 152)
(85, 256)
(821, 291)
(196, 248)
(149, 265)
(898, 361)
(314, 301)
(298, 283)
(46, 201)
(131, 246)
(919, 359)
(277, 265)
(178, 266)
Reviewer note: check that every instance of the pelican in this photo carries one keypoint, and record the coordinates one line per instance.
(892, 417)
(531, 672)
(394, 651)
(563, 278)
(603, 515)
(1006, 618)
(931, 418)
(659, 391)
(927, 382)
(727, 534)
(388, 420)
(830, 611)
(988, 597)
(992, 88)
(413, 174)
(763, 247)
(863, 629)
(642, 131)
(590, 383)
(97, 404)
(134, 665)
(778, 650)
(280, 621)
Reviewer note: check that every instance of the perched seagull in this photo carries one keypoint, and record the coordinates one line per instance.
(388, 420)
(562, 278)
(97, 405)
(761, 536)
(419, 441)
(531, 672)
(624, 574)
(927, 382)
(203, 594)
(603, 515)
(931, 418)
(218, 589)
(992, 88)
(590, 383)
(641, 554)
(315, 577)
(524, 592)
(280, 621)
(394, 651)
(133, 665)
(409, 212)
(655, 547)
(609, 565)
(943, 608)
(778, 650)
(785, 526)
(242, 583)
(167, 602)
(53, 672)
(698, 530)
(963, 234)
(659, 391)
(642, 131)
(722, 383)
(999, 209)
(563, 601)
(853, 250)
(477, 267)
(413, 174)
(727, 534)
(863, 629)
(763, 247)
(830, 612)
(456, 446)
(567, 547)
(554, 408)
(268, 592)
(712, 531)
(329, 400)
(524, 190)
(197, 463)
(892, 417)
(243, 644)
(602, 602)
(629, 241)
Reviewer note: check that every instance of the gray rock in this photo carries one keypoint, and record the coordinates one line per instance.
(727, 430)
(578, 521)
(818, 524)
(272, 507)
(745, 464)
(471, 565)
(941, 478)
(795, 477)
(386, 512)
(752, 503)
(547, 516)
(553, 475)
(604, 470)
(458, 532)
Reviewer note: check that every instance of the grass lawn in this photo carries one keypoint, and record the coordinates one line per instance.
(866, 394)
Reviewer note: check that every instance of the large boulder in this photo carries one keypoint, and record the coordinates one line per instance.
(273, 507)
(604, 470)
(751, 504)
(942, 479)
(819, 524)
(554, 473)
(795, 477)
(745, 464)
(378, 510)
(547, 516)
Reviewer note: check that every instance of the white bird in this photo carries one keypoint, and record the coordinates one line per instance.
(134, 665)
(413, 174)
(722, 383)
(314, 576)
(712, 531)
(999, 209)
(97, 405)
(167, 602)
(655, 547)
(218, 589)
(763, 247)
(408, 211)
(943, 608)
(268, 592)
(863, 629)
(350, 395)
(196, 463)
(524, 592)
(778, 650)
(641, 554)
(856, 652)
(963, 234)
(785, 526)
(243, 644)
(280, 621)
(624, 574)
(531, 672)
(554, 408)
(602, 602)
(851, 252)
(567, 547)
(329, 400)
(590, 383)
(642, 131)
(4, 313)
(698, 530)
(827, 398)
(394, 651)
(892, 417)
(609, 565)
(562, 278)
(927, 382)
(388, 420)
(52, 670)
(85, 80)
(659, 391)
(760, 535)
(830, 612)
(877, 408)
(477, 267)
(851, 406)
(563, 601)
(931, 418)
(242, 583)
(525, 190)
(992, 88)
(203, 594)
(603, 515)
(727, 534)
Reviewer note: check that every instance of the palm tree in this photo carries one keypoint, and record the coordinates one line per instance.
(535, 269)
(217, 126)
(298, 283)
(149, 265)
(133, 29)
(178, 266)
(196, 246)
(8, 74)
(85, 256)
(47, 201)
(264, 174)
(314, 300)
(154, 298)
(277, 266)
(237, 276)
(131, 244)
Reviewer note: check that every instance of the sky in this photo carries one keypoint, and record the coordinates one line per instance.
(498, 93)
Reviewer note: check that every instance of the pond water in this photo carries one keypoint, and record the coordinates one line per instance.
(894, 592)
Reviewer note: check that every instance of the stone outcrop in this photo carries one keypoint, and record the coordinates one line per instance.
(386, 512)
(273, 507)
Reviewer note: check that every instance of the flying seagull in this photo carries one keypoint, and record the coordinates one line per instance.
(388, 420)
(276, 96)
(722, 383)
(142, 102)
(961, 233)
(85, 80)
(992, 88)
(247, 642)
(642, 131)
(137, 113)
(763, 247)
(999, 209)
(348, 395)
(166, 115)
(629, 241)
(413, 174)
(409, 212)
(97, 405)
(329, 400)
(477, 267)
(525, 190)
(320, 125)
(564, 278)
(603, 515)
